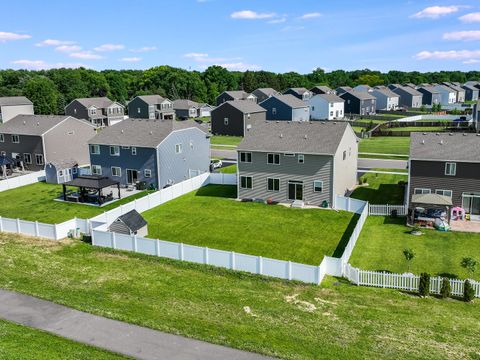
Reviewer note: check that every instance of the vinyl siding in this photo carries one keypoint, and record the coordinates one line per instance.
(28, 144)
(237, 120)
(9, 112)
(133, 107)
(345, 171)
(320, 109)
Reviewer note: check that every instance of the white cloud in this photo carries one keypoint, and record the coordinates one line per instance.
(278, 21)
(462, 35)
(308, 16)
(42, 65)
(196, 55)
(109, 47)
(240, 66)
(8, 36)
(448, 55)
(68, 48)
(87, 55)
(434, 12)
(471, 61)
(470, 18)
(53, 42)
(144, 49)
(251, 15)
(130, 59)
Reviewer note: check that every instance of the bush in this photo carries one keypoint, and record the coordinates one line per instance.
(468, 291)
(424, 285)
(445, 290)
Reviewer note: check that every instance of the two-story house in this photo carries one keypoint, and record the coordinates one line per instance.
(471, 92)
(359, 102)
(302, 162)
(11, 106)
(430, 95)
(234, 96)
(447, 94)
(156, 152)
(263, 94)
(321, 89)
(151, 107)
(185, 109)
(299, 92)
(459, 91)
(286, 107)
(39, 139)
(234, 117)
(386, 98)
(409, 97)
(326, 107)
(447, 165)
(100, 112)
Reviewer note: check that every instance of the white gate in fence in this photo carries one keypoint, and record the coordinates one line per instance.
(386, 210)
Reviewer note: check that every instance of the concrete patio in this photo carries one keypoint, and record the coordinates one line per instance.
(465, 226)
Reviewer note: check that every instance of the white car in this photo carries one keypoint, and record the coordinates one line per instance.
(216, 164)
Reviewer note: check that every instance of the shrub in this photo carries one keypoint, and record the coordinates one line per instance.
(424, 285)
(470, 264)
(409, 254)
(468, 291)
(445, 290)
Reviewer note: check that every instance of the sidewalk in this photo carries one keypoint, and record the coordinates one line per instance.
(112, 335)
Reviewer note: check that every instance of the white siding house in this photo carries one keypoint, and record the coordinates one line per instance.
(449, 96)
(326, 107)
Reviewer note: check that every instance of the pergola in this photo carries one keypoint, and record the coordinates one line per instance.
(434, 201)
(90, 182)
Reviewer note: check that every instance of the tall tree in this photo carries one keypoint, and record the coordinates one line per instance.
(43, 93)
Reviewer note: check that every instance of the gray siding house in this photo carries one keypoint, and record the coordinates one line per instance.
(235, 95)
(100, 112)
(447, 165)
(185, 109)
(309, 162)
(157, 152)
(409, 98)
(471, 92)
(12, 106)
(300, 93)
(263, 94)
(234, 117)
(359, 102)
(40, 139)
(151, 107)
(431, 96)
(286, 107)
(386, 98)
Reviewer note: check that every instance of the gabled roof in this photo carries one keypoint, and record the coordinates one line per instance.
(445, 147)
(245, 106)
(308, 137)
(429, 89)
(289, 100)
(362, 95)
(330, 97)
(183, 104)
(152, 99)
(469, 87)
(385, 91)
(63, 164)
(35, 125)
(456, 87)
(323, 88)
(266, 91)
(140, 132)
(236, 94)
(298, 90)
(343, 89)
(99, 102)
(14, 100)
(409, 90)
(133, 220)
(440, 88)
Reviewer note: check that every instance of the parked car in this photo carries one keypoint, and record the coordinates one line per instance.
(216, 164)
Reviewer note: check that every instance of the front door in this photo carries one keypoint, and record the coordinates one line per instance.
(132, 176)
(295, 190)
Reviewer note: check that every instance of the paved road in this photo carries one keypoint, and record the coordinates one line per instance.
(381, 163)
(225, 154)
(116, 336)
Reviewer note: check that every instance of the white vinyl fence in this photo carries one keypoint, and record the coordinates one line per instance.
(386, 210)
(407, 282)
(223, 179)
(203, 255)
(27, 179)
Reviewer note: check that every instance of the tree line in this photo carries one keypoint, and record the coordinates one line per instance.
(51, 90)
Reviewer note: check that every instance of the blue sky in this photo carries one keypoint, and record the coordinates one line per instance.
(273, 35)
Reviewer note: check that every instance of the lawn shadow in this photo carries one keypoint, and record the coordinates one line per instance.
(222, 191)
(401, 220)
(448, 275)
(346, 236)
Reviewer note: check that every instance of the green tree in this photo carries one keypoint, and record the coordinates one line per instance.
(44, 95)
(409, 255)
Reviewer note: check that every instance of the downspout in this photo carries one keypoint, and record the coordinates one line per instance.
(332, 179)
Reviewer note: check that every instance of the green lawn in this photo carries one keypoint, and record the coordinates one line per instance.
(386, 145)
(278, 318)
(21, 342)
(36, 202)
(381, 189)
(211, 217)
(383, 240)
(417, 129)
(231, 169)
(225, 140)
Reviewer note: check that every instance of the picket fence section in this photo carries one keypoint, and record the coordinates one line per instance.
(407, 282)
(204, 255)
(48, 231)
(386, 210)
(27, 179)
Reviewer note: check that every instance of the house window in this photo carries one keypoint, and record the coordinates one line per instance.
(96, 170)
(116, 171)
(450, 169)
(245, 157)
(39, 159)
(147, 173)
(60, 173)
(138, 110)
(349, 151)
(114, 150)
(313, 108)
(418, 191)
(134, 150)
(191, 144)
(2, 138)
(3, 153)
(318, 186)
(274, 111)
(444, 192)
(273, 159)
(225, 121)
(246, 182)
(93, 111)
(27, 158)
(344, 155)
(273, 184)
(331, 104)
(125, 147)
(289, 154)
(95, 149)
(15, 139)
(74, 170)
(178, 148)
(75, 111)
(331, 113)
(301, 158)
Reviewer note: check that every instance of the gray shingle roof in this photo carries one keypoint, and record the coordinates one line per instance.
(63, 164)
(237, 94)
(362, 95)
(331, 97)
(32, 124)
(291, 101)
(245, 106)
(133, 220)
(386, 91)
(14, 100)
(100, 102)
(323, 88)
(469, 87)
(309, 137)
(152, 99)
(445, 147)
(140, 132)
(267, 91)
(298, 90)
(410, 90)
(182, 104)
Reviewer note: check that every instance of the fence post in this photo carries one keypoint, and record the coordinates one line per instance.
(206, 259)
(289, 272)
(135, 245)
(37, 232)
(181, 251)
(114, 240)
(55, 232)
(157, 247)
(260, 265)
(384, 278)
(18, 225)
(1, 224)
(319, 270)
(232, 259)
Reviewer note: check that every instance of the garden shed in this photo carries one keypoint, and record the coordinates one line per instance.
(130, 223)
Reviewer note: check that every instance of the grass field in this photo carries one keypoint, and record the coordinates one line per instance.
(21, 342)
(386, 145)
(417, 129)
(211, 217)
(36, 203)
(284, 319)
(225, 140)
(383, 240)
(381, 189)
(232, 169)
